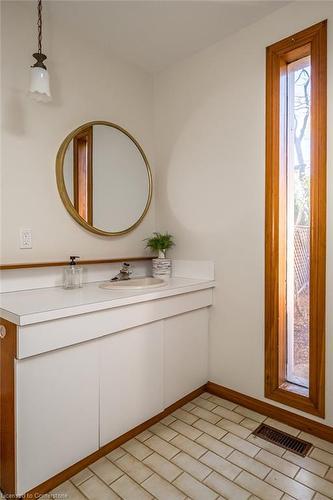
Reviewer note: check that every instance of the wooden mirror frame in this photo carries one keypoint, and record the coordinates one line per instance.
(62, 187)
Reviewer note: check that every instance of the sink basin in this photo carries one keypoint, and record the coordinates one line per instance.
(134, 284)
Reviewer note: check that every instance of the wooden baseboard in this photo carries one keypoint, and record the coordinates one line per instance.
(54, 481)
(287, 417)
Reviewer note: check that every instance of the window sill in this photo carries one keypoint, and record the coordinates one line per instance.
(295, 389)
(297, 397)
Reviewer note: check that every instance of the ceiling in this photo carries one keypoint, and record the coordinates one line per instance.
(155, 34)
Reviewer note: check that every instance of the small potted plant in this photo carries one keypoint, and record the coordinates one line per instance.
(161, 242)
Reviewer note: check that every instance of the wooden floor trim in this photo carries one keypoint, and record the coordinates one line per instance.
(287, 417)
(54, 481)
(31, 265)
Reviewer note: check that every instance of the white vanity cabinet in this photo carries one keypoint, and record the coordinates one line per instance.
(80, 378)
(131, 379)
(185, 354)
(57, 415)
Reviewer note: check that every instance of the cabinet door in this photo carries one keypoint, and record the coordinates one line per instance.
(131, 387)
(185, 354)
(56, 412)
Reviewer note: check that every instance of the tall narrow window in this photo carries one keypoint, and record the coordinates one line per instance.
(298, 180)
(82, 170)
(296, 219)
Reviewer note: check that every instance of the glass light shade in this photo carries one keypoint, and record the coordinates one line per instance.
(40, 84)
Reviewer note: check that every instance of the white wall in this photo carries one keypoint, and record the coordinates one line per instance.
(210, 147)
(87, 84)
(209, 136)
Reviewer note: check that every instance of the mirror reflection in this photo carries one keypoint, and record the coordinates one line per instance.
(107, 178)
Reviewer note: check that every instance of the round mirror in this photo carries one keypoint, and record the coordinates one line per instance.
(104, 178)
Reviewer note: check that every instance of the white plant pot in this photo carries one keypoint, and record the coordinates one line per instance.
(162, 268)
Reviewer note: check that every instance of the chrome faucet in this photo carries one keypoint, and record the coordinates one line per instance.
(124, 273)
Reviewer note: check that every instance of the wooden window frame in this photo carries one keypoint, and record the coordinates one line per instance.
(82, 145)
(313, 42)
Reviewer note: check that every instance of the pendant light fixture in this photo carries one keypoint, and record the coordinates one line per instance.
(39, 76)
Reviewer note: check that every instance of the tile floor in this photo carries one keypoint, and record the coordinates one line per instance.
(205, 450)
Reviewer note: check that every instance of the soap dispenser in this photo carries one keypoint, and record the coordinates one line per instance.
(73, 274)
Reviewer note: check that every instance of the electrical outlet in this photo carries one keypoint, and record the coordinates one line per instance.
(25, 238)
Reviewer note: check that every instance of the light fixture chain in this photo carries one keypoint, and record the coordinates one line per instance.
(39, 25)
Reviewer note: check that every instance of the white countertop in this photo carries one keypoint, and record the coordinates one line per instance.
(46, 304)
